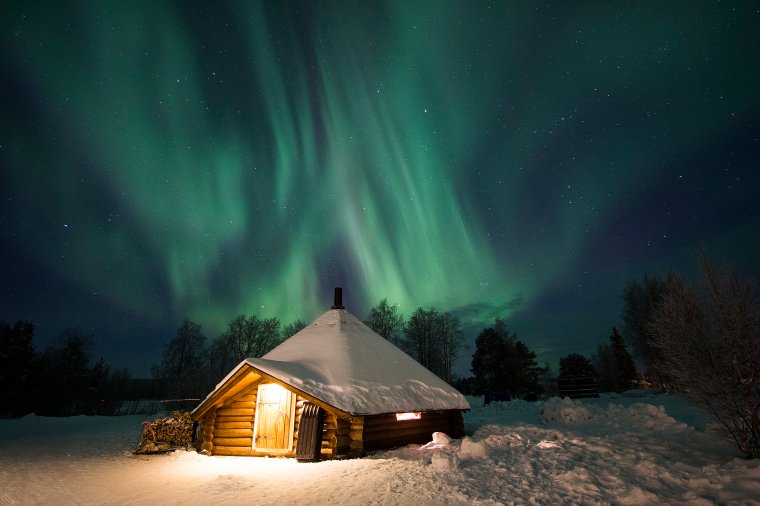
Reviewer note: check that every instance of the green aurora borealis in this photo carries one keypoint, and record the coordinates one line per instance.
(167, 160)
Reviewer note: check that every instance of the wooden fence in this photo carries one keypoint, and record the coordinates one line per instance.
(153, 406)
(578, 388)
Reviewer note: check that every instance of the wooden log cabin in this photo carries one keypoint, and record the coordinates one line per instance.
(334, 389)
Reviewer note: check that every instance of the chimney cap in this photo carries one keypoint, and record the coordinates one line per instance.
(338, 302)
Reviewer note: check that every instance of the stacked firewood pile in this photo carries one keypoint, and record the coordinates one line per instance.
(165, 434)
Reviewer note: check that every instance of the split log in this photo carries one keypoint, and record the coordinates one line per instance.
(234, 450)
(232, 433)
(225, 411)
(234, 425)
(233, 441)
(241, 405)
(222, 419)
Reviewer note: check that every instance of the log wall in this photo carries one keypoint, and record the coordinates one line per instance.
(384, 431)
(233, 425)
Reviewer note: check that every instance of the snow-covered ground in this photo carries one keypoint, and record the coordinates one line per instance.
(611, 450)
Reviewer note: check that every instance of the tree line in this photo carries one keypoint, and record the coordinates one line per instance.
(430, 337)
(191, 364)
(700, 339)
(60, 380)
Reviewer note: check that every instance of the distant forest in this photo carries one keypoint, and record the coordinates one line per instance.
(701, 340)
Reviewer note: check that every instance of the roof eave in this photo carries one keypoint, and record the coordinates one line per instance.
(244, 373)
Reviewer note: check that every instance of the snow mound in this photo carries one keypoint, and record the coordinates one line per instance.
(546, 444)
(654, 417)
(443, 462)
(473, 449)
(515, 406)
(564, 410)
(440, 440)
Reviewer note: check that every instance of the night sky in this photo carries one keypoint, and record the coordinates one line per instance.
(524, 160)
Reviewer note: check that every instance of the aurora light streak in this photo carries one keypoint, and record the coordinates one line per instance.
(167, 160)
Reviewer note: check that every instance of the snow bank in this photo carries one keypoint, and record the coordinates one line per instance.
(565, 411)
(629, 451)
(444, 462)
(473, 449)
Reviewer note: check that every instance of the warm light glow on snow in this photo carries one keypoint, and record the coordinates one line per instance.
(648, 449)
(271, 470)
(408, 416)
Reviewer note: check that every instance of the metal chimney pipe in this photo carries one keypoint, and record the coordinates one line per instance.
(338, 304)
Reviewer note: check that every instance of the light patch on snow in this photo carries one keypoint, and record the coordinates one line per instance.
(545, 444)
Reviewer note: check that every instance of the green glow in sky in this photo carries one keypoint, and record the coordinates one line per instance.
(491, 158)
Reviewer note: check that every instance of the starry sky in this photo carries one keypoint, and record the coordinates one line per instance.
(523, 160)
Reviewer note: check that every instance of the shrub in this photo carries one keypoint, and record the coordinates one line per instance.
(708, 339)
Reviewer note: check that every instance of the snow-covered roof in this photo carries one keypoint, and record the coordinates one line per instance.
(342, 362)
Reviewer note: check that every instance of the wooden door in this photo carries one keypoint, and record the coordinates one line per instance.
(275, 413)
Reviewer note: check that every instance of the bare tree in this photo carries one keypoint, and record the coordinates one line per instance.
(450, 338)
(708, 344)
(251, 336)
(245, 337)
(421, 335)
(182, 366)
(385, 320)
(219, 357)
(292, 328)
(639, 300)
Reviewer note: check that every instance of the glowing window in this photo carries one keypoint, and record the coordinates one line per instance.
(408, 416)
